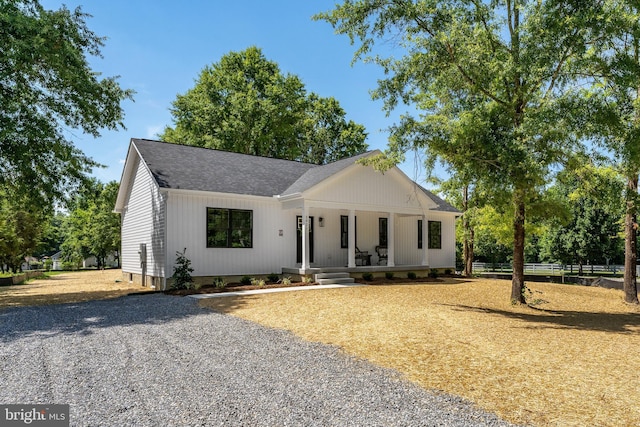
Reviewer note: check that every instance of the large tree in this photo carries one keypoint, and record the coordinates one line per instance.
(614, 66)
(46, 83)
(244, 103)
(513, 57)
(92, 228)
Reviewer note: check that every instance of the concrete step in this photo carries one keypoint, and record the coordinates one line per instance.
(336, 281)
(332, 275)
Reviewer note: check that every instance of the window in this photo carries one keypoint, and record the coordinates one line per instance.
(344, 231)
(419, 234)
(435, 235)
(229, 228)
(382, 231)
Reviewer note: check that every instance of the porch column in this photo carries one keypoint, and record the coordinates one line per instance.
(425, 244)
(352, 239)
(391, 253)
(305, 237)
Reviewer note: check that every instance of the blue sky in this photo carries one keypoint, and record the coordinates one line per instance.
(158, 49)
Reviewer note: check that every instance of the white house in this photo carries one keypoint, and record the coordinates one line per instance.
(238, 214)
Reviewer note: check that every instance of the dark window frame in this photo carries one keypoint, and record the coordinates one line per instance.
(231, 229)
(419, 234)
(383, 231)
(435, 234)
(344, 231)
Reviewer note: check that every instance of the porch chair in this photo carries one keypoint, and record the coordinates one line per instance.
(382, 254)
(363, 257)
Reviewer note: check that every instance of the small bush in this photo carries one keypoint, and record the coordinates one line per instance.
(182, 272)
(367, 276)
(246, 280)
(411, 275)
(307, 279)
(388, 275)
(286, 281)
(448, 271)
(433, 273)
(219, 283)
(257, 282)
(273, 278)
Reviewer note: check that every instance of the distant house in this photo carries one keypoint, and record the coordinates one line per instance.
(240, 215)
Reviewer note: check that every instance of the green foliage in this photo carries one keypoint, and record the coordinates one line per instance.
(258, 282)
(388, 275)
(273, 278)
(285, 280)
(487, 81)
(22, 222)
(219, 283)
(246, 280)
(244, 103)
(411, 275)
(307, 280)
(433, 273)
(92, 228)
(47, 86)
(182, 272)
(367, 276)
(448, 271)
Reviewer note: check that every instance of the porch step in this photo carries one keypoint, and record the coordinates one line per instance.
(333, 278)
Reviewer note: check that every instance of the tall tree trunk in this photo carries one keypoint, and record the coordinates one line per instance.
(517, 282)
(630, 242)
(467, 248)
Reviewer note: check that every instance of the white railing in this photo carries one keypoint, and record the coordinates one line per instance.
(550, 268)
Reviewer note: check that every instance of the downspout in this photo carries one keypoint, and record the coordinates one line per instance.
(166, 252)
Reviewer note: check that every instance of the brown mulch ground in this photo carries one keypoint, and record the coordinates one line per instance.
(572, 360)
(74, 286)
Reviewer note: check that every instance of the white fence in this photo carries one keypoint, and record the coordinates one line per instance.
(551, 268)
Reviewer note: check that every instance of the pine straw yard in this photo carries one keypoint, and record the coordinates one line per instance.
(74, 286)
(571, 361)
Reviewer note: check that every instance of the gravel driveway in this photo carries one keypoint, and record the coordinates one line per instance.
(156, 360)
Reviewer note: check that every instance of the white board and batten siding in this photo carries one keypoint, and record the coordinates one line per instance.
(143, 222)
(187, 228)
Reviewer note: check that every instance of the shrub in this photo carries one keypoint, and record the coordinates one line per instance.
(388, 275)
(367, 276)
(182, 272)
(219, 283)
(433, 273)
(273, 278)
(286, 281)
(448, 271)
(257, 282)
(246, 280)
(411, 275)
(307, 279)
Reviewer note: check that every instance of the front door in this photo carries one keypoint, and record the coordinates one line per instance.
(299, 239)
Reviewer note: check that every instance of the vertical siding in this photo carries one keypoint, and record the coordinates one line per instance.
(445, 257)
(186, 228)
(143, 221)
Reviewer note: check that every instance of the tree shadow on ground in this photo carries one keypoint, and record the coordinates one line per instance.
(628, 323)
(84, 317)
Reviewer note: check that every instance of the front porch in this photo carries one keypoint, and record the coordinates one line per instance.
(420, 270)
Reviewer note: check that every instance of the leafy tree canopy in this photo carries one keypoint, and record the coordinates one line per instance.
(46, 83)
(245, 104)
(486, 79)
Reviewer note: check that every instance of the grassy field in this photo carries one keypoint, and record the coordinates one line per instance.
(570, 361)
(67, 287)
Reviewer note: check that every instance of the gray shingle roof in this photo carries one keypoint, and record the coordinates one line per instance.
(442, 205)
(175, 166)
(193, 168)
